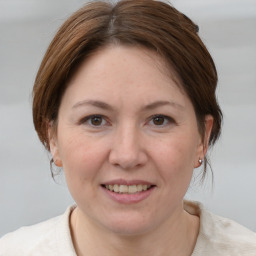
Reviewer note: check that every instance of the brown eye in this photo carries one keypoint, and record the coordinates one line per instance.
(161, 121)
(158, 120)
(96, 120)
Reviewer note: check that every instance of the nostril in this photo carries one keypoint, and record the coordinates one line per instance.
(127, 160)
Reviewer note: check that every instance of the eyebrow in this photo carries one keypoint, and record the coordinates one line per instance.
(95, 103)
(106, 106)
(163, 103)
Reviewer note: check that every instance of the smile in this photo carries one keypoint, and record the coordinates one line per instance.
(126, 189)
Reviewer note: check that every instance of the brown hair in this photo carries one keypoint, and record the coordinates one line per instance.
(151, 24)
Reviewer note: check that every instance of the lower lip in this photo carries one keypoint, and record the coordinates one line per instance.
(129, 198)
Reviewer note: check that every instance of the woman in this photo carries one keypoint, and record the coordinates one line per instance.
(125, 102)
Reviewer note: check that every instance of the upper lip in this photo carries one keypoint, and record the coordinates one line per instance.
(127, 182)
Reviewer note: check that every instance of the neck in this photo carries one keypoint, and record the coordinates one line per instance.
(176, 237)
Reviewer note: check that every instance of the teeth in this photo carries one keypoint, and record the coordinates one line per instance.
(132, 189)
(127, 189)
(144, 187)
(123, 189)
(116, 188)
(139, 188)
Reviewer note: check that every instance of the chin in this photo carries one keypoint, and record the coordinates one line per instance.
(129, 225)
(129, 230)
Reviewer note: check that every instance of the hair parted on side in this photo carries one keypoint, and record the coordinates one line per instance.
(154, 25)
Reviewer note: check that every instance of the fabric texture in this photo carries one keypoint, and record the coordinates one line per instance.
(218, 236)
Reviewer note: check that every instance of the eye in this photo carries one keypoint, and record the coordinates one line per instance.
(161, 120)
(94, 121)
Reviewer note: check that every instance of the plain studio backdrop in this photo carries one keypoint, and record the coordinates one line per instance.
(27, 192)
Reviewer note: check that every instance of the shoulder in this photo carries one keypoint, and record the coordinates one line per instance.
(227, 236)
(40, 239)
(222, 236)
(25, 239)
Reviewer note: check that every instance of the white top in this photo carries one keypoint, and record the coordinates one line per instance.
(218, 236)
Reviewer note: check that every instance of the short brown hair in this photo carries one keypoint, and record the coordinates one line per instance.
(154, 25)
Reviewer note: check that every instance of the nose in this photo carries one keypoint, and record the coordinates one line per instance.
(128, 151)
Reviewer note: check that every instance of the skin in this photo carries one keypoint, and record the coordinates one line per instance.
(126, 141)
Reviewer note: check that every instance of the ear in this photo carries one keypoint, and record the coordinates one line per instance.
(208, 130)
(204, 142)
(52, 136)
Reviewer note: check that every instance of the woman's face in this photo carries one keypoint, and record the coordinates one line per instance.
(124, 125)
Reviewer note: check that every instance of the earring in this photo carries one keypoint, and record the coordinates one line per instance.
(58, 163)
(200, 161)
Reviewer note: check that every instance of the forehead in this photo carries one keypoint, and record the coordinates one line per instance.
(116, 71)
(115, 48)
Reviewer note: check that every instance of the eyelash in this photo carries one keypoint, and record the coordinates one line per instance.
(167, 120)
(88, 119)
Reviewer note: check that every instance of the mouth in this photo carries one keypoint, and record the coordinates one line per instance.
(128, 192)
(127, 189)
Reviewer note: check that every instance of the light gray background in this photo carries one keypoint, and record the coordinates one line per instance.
(27, 192)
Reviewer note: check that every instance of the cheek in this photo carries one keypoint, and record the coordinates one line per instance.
(82, 157)
(175, 157)
(82, 164)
